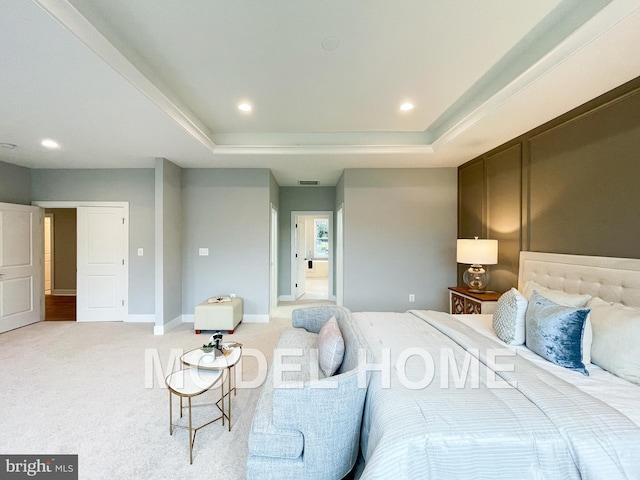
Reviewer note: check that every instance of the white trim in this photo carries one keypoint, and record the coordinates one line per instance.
(140, 318)
(273, 258)
(246, 318)
(286, 298)
(162, 329)
(254, 318)
(323, 149)
(339, 295)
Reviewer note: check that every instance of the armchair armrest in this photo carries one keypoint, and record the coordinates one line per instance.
(313, 318)
(328, 412)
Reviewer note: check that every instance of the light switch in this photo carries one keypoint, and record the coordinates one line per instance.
(203, 252)
(140, 252)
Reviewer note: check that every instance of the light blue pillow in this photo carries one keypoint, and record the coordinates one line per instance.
(555, 332)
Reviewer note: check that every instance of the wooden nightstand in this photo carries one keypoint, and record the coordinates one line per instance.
(461, 300)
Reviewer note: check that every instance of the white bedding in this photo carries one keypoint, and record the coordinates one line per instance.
(622, 395)
(543, 429)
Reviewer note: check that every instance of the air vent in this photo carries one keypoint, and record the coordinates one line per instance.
(308, 182)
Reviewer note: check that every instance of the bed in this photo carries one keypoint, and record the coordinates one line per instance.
(448, 398)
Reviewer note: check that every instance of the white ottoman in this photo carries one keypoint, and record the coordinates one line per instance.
(218, 316)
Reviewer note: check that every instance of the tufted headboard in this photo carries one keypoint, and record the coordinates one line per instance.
(611, 279)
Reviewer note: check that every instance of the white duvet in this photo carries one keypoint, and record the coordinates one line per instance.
(475, 425)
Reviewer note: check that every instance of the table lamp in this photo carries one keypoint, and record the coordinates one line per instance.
(477, 252)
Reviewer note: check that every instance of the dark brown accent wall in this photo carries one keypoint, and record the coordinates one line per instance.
(571, 185)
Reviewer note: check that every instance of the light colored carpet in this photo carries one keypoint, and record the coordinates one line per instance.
(79, 388)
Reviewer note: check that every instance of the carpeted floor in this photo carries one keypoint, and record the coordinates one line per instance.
(94, 389)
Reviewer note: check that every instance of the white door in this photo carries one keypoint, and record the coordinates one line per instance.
(21, 282)
(301, 260)
(101, 269)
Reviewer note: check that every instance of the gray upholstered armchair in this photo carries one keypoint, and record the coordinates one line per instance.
(310, 432)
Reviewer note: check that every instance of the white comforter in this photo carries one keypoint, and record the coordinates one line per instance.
(544, 428)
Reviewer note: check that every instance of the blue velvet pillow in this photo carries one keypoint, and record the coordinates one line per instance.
(555, 332)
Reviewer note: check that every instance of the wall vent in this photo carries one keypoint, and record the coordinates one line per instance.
(308, 182)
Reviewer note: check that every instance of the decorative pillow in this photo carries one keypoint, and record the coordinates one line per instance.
(509, 317)
(557, 296)
(616, 339)
(568, 300)
(555, 332)
(330, 347)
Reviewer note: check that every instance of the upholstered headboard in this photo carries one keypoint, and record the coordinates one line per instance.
(611, 279)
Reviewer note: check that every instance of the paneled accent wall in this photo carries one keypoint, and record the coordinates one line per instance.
(571, 185)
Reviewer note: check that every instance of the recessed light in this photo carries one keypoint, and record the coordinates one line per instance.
(48, 143)
(245, 107)
(406, 106)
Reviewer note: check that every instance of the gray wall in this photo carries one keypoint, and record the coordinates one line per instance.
(15, 184)
(297, 199)
(399, 238)
(135, 186)
(168, 239)
(226, 211)
(65, 256)
(568, 186)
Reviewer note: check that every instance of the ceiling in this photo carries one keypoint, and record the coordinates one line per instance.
(119, 83)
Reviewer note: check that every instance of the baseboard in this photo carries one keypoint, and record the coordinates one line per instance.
(255, 318)
(286, 298)
(141, 318)
(247, 318)
(162, 329)
(70, 292)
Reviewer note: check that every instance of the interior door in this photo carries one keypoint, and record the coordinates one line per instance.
(101, 268)
(301, 260)
(21, 283)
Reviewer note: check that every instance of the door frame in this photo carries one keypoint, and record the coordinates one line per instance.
(51, 252)
(273, 259)
(80, 203)
(294, 218)
(340, 255)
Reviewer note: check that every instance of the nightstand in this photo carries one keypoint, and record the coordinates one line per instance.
(461, 300)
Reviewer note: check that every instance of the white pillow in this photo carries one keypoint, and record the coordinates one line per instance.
(330, 347)
(557, 296)
(509, 317)
(568, 300)
(616, 339)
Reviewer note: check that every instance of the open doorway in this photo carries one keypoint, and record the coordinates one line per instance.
(312, 260)
(60, 233)
(98, 255)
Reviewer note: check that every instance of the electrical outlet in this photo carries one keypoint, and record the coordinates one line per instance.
(203, 252)
(232, 295)
(412, 297)
(140, 252)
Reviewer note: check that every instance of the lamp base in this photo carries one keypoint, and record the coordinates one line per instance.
(476, 278)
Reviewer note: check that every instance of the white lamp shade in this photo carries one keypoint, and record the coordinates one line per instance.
(477, 251)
